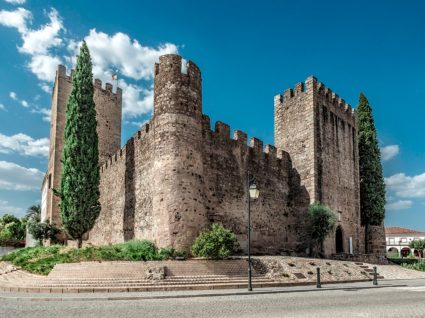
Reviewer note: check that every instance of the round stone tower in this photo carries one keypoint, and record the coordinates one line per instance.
(178, 196)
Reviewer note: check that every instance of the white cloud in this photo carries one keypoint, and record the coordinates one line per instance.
(133, 60)
(6, 208)
(16, 19)
(399, 205)
(46, 112)
(24, 145)
(44, 67)
(37, 43)
(45, 87)
(389, 152)
(16, 1)
(136, 100)
(16, 177)
(2, 107)
(139, 124)
(129, 56)
(41, 40)
(13, 95)
(406, 186)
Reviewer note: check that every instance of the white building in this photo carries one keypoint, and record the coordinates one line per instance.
(398, 239)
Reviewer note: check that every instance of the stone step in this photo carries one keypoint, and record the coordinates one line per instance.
(137, 283)
(130, 279)
(161, 283)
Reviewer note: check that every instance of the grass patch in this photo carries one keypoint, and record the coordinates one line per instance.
(41, 260)
(416, 266)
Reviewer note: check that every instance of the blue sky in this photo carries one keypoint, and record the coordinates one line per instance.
(248, 52)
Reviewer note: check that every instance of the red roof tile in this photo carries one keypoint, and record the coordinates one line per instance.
(400, 230)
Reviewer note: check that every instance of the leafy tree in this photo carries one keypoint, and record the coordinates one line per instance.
(418, 245)
(372, 186)
(322, 220)
(79, 188)
(43, 231)
(12, 228)
(215, 243)
(34, 213)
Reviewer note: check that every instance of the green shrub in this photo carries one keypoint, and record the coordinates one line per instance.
(216, 243)
(43, 230)
(170, 253)
(41, 260)
(322, 220)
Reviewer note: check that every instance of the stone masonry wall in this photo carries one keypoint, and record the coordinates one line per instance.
(274, 219)
(294, 131)
(175, 177)
(126, 192)
(337, 165)
(318, 130)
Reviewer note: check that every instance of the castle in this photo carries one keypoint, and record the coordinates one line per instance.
(176, 175)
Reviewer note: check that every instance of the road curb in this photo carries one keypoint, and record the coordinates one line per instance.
(202, 295)
(158, 288)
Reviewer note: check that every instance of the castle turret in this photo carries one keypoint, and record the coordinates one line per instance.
(178, 203)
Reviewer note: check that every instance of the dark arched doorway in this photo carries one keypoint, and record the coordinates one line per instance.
(405, 251)
(339, 240)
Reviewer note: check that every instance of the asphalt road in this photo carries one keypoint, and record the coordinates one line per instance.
(402, 301)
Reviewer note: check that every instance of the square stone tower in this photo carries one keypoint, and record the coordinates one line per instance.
(319, 131)
(108, 109)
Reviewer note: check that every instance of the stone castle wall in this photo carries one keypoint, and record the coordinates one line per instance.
(180, 176)
(176, 175)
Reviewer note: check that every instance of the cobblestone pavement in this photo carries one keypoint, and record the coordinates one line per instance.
(395, 299)
(398, 272)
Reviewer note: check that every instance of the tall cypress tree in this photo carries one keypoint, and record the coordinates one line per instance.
(372, 186)
(79, 188)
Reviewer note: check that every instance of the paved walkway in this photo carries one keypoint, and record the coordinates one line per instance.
(398, 272)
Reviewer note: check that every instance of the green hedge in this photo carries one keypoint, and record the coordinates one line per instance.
(400, 261)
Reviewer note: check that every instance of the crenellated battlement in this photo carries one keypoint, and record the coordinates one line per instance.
(177, 89)
(121, 153)
(108, 88)
(97, 83)
(171, 66)
(313, 87)
(299, 89)
(240, 138)
(327, 95)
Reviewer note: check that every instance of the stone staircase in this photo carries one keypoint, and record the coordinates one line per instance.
(192, 274)
(131, 276)
(368, 269)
